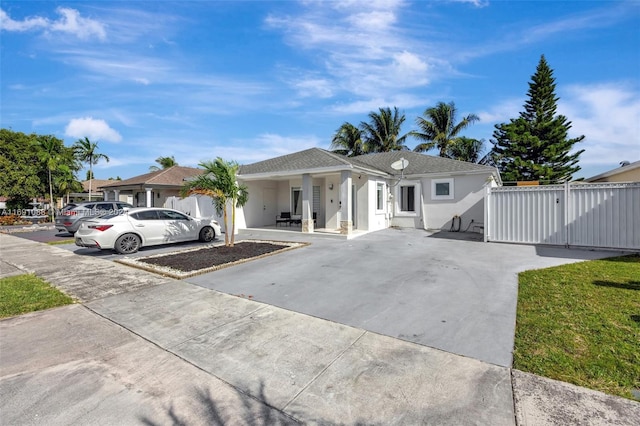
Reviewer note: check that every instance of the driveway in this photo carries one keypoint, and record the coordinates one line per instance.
(143, 349)
(449, 293)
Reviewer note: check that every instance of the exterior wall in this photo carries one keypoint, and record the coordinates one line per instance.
(332, 202)
(377, 219)
(263, 204)
(468, 203)
(622, 175)
(407, 219)
(362, 199)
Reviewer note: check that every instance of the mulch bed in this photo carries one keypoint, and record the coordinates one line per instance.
(187, 263)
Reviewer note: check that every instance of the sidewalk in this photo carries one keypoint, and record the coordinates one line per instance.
(145, 349)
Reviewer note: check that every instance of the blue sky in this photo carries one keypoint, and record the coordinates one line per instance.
(252, 80)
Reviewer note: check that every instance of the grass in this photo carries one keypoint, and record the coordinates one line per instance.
(27, 293)
(55, 243)
(580, 323)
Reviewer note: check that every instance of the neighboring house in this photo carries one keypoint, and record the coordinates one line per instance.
(365, 193)
(150, 189)
(628, 172)
(96, 194)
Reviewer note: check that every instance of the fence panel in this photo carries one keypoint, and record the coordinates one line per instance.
(531, 214)
(603, 215)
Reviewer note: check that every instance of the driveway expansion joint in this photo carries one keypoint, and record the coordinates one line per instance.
(183, 359)
(313, 379)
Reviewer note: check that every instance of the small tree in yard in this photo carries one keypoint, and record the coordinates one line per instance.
(535, 145)
(219, 182)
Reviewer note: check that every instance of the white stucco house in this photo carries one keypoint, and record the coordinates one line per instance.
(365, 193)
(326, 192)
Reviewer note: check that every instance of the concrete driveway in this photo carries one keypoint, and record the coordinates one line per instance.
(146, 349)
(442, 290)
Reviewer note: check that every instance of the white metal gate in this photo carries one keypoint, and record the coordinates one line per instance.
(603, 215)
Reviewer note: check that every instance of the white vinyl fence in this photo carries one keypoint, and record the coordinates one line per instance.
(603, 215)
(194, 205)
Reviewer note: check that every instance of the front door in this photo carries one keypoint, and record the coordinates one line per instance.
(269, 212)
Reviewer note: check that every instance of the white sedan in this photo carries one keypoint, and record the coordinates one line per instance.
(140, 227)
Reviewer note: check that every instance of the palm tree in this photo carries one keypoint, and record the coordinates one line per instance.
(466, 149)
(49, 154)
(165, 163)
(348, 140)
(219, 182)
(382, 132)
(438, 127)
(66, 182)
(86, 152)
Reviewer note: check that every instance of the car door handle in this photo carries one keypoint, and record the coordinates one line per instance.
(139, 225)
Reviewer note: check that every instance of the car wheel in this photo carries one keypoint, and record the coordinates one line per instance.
(207, 234)
(127, 244)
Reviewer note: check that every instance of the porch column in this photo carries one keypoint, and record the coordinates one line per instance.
(346, 213)
(149, 197)
(105, 195)
(116, 194)
(307, 203)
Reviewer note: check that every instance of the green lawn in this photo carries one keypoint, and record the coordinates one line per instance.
(580, 323)
(27, 293)
(55, 243)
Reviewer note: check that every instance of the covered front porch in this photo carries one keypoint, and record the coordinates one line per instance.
(310, 202)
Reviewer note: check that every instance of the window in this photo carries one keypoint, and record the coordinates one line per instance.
(380, 196)
(296, 201)
(407, 198)
(442, 189)
(146, 215)
(171, 215)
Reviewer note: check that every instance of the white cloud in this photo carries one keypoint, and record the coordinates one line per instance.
(8, 24)
(609, 116)
(70, 22)
(91, 128)
(364, 47)
(502, 112)
(317, 87)
(365, 106)
(476, 3)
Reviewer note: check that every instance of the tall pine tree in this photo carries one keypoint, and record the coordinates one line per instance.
(535, 145)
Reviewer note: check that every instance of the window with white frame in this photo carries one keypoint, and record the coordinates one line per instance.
(407, 198)
(442, 189)
(380, 196)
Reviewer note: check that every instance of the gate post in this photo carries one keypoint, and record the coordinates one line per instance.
(487, 216)
(567, 212)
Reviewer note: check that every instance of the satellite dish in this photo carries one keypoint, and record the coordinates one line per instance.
(401, 164)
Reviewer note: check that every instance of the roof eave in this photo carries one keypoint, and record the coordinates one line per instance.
(318, 170)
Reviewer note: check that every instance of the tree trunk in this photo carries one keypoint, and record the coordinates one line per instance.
(233, 221)
(53, 216)
(226, 228)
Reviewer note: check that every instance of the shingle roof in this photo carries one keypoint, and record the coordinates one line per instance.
(173, 176)
(312, 158)
(316, 158)
(419, 163)
(95, 183)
